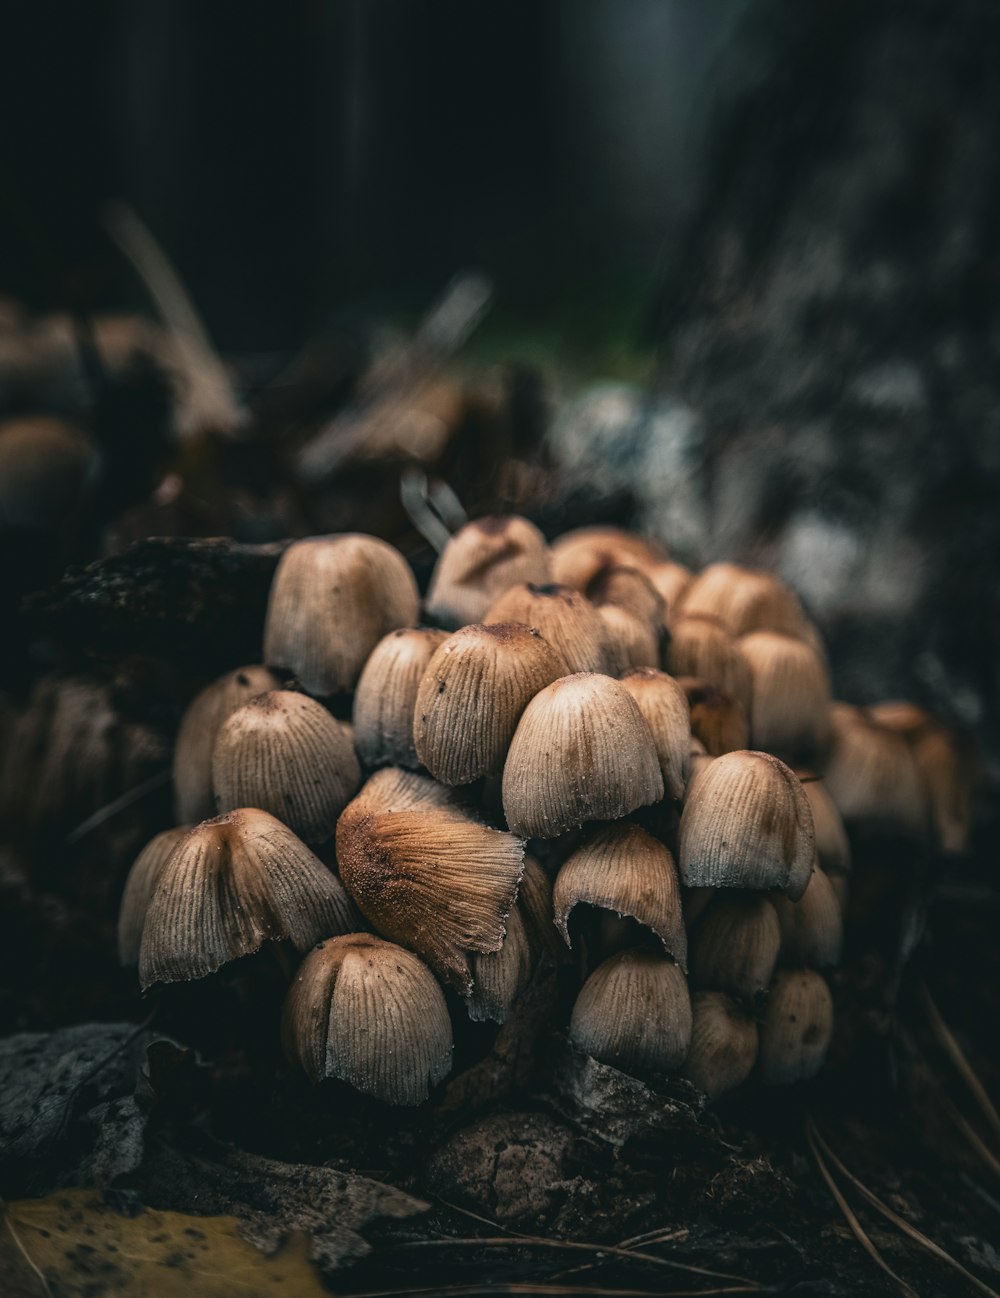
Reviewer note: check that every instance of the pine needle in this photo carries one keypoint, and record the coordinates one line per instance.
(953, 1050)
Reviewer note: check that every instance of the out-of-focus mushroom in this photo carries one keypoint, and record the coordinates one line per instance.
(789, 696)
(743, 600)
(735, 945)
(717, 720)
(796, 1028)
(723, 1044)
(702, 648)
(567, 620)
(481, 561)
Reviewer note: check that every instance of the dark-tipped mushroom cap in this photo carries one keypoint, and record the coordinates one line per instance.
(386, 696)
(481, 561)
(230, 885)
(634, 1011)
(369, 1013)
(472, 695)
(582, 751)
(624, 870)
(747, 824)
(663, 703)
(196, 737)
(583, 554)
(283, 752)
(332, 600)
(567, 620)
(435, 880)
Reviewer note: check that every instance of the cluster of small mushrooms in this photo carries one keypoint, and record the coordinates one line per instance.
(586, 750)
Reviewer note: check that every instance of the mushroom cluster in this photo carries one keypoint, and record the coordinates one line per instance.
(592, 755)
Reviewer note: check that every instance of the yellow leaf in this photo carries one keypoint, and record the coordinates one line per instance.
(84, 1249)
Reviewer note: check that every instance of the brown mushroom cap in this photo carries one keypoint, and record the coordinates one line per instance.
(567, 620)
(744, 600)
(139, 886)
(386, 696)
(735, 945)
(723, 1044)
(872, 776)
(368, 1013)
(796, 1028)
(663, 703)
(789, 695)
(482, 560)
(702, 648)
(634, 1011)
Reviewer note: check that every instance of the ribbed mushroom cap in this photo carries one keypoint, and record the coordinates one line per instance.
(472, 695)
(534, 900)
(386, 696)
(735, 945)
(434, 880)
(139, 885)
(582, 751)
(670, 580)
(624, 870)
(630, 589)
(634, 1011)
(566, 619)
(717, 720)
(744, 600)
(789, 695)
(332, 600)
(369, 1013)
(702, 648)
(872, 776)
(230, 885)
(481, 561)
(393, 789)
(579, 556)
(832, 847)
(747, 824)
(632, 641)
(812, 928)
(286, 754)
(45, 465)
(947, 767)
(499, 977)
(663, 703)
(796, 1029)
(723, 1044)
(193, 796)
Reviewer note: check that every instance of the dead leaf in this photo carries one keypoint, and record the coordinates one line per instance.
(72, 1244)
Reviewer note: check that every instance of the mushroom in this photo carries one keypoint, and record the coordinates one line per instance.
(663, 703)
(193, 796)
(230, 885)
(747, 824)
(332, 600)
(46, 465)
(735, 945)
(472, 695)
(717, 720)
(634, 1011)
(701, 647)
(743, 600)
(582, 751)
(386, 695)
(139, 886)
(789, 695)
(723, 1044)
(567, 620)
(369, 1013)
(872, 776)
(482, 560)
(796, 1028)
(812, 928)
(283, 752)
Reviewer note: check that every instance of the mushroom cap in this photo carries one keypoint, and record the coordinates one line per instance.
(796, 1028)
(723, 1044)
(567, 620)
(789, 695)
(717, 720)
(747, 824)
(735, 945)
(332, 600)
(744, 599)
(482, 560)
(582, 751)
(230, 885)
(283, 752)
(872, 776)
(197, 734)
(472, 695)
(664, 705)
(393, 789)
(624, 870)
(702, 648)
(634, 1011)
(386, 696)
(581, 555)
(833, 850)
(139, 886)
(369, 1013)
(812, 928)
(628, 588)
(499, 977)
(45, 465)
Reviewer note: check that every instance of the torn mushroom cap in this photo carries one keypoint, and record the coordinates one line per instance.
(735, 945)
(812, 928)
(872, 776)
(369, 1013)
(581, 555)
(718, 721)
(386, 695)
(744, 600)
(139, 885)
(723, 1044)
(472, 695)
(663, 703)
(796, 1028)
(747, 824)
(624, 870)
(481, 561)
(199, 727)
(702, 647)
(634, 1011)
(499, 977)
(332, 600)
(946, 765)
(582, 751)
(567, 620)
(45, 467)
(435, 880)
(789, 695)
(283, 752)
(230, 885)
